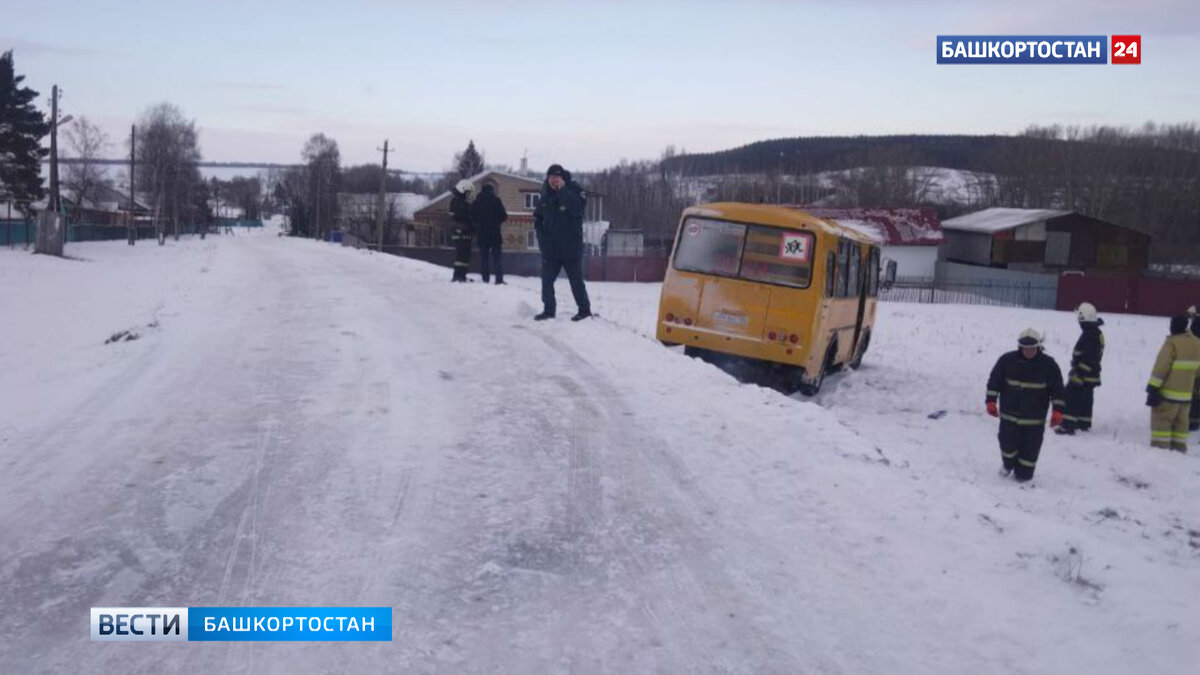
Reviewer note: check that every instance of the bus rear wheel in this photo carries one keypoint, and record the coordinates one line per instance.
(812, 386)
(861, 352)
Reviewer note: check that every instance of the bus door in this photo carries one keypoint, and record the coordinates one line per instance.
(859, 273)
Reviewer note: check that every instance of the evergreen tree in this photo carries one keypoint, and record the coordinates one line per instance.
(22, 127)
(469, 161)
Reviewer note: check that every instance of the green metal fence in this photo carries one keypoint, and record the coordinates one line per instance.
(17, 232)
(14, 233)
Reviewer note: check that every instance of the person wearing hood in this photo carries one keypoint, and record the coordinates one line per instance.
(488, 214)
(1024, 385)
(558, 220)
(464, 229)
(1172, 384)
(1084, 376)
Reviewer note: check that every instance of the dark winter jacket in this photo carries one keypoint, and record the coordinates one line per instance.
(558, 220)
(1089, 351)
(460, 211)
(1027, 388)
(488, 213)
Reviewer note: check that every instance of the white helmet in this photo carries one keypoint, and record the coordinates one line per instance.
(1029, 338)
(465, 186)
(1086, 312)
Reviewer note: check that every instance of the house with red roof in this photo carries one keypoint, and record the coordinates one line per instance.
(910, 236)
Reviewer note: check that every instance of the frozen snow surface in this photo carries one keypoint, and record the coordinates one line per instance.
(301, 424)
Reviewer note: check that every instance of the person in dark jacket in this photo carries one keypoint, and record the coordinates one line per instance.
(1027, 384)
(464, 229)
(488, 213)
(558, 220)
(1085, 372)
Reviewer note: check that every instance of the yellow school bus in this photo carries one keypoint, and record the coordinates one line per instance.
(773, 285)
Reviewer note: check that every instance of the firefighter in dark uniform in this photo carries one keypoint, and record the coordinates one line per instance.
(1085, 372)
(1027, 383)
(464, 229)
(1194, 415)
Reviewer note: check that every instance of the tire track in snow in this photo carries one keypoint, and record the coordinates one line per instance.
(668, 501)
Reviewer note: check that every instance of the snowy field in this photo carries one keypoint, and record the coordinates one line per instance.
(302, 424)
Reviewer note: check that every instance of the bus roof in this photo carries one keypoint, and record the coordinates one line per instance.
(777, 216)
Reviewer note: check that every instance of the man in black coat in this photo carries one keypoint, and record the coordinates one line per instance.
(1085, 372)
(1027, 383)
(488, 213)
(558, 220)
(464, 229)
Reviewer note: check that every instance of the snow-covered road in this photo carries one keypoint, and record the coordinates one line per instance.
(303, 425)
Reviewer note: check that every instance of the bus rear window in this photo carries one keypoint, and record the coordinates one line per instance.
(777, 256)
(710, 247)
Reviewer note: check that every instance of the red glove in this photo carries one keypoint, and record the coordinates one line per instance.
(991, 408)
(1055, 418)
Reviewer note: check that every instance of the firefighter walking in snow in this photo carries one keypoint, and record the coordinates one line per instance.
(1085, 372)
(460, 236)
(1171, 386)
(1027, 383)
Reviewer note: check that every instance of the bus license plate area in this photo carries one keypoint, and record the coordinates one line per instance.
(731, 319)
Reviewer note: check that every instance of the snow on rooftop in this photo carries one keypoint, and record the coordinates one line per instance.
(998, 219)
(863, 227)
(892, 226)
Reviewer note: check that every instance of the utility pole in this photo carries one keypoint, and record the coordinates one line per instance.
(379, 215)
(132, 163)
(54, 198)
(175, 190)
(216, 203)
(50, 232)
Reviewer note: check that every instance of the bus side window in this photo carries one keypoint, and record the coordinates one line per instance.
(830, 274)
(854, 270)
(843, 269)
(873, 271)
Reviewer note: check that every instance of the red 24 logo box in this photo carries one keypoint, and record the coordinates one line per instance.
(1127, 49)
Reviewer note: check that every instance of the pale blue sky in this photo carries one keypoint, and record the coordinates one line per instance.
(584, 84)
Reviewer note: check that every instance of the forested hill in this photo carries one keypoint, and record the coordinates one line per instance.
(985, 153)
(1146, 178)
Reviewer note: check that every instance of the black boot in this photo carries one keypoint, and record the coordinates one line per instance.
(543, 316)
(583, 314)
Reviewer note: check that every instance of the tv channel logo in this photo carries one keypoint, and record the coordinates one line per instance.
(1127, 49)
(1038, 49)
(239, 624)
(139, 624)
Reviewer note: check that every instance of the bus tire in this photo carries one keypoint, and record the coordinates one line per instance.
(669, 344)
(812, 386)
(694, 352)
(861, 352)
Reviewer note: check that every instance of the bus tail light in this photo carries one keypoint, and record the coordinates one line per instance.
(772, 336)
(687, 321)
(670, 317)
(794, 339)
